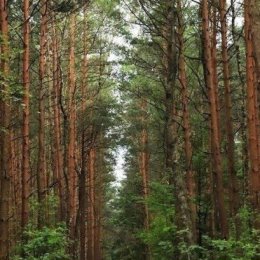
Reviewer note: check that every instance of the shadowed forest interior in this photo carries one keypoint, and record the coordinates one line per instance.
(129, 129)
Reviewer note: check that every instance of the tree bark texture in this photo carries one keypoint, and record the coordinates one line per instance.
(215, 149)
(5, 138)
(25, 129)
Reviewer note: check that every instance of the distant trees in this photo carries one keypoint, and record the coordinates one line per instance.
(190, 93)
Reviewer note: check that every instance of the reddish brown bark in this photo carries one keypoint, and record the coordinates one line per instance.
(5, 139)
(252, 110)
(91, 205)
(216, 155)
(190, 181)
(72, 129)
(144, 160)
(213, 35)
(254, 10)
(144, 165)
(41, 168)
(170, 67)
(25, 129)
(58, 161)
(99, 197)
(83, 173)
(233, 196)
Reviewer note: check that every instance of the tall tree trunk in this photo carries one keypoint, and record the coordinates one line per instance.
(255, 7)
(82, 203)
(5, 139)
(72, 129)
(190, 181)
(58, 161)
(176, 177)
(254, 10)
(83, 173)
(216, 155)
(91, 204)
(233, 196)
(244, 139)
(144, 166)
(41, 168)
(252, 110)
(99, 195)
(25, 130)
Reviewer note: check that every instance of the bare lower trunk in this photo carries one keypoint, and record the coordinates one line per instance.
(91, 203)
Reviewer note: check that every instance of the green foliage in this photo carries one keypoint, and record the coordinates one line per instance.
(50, 205)
(162, 231)
(242, 246)
(243, 249)
(44, 244)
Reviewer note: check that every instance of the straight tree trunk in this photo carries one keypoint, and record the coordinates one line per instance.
(91, 205)
(254, 13)
(176, 178)
(233, 196)
(5, 139)
(213, 27)
(25, 129)
(144, 166)
(72, 130)
(99, 195)
(216, 155)
(252, 110)
(58, 161)
(83, 173)
(190, 181)
(41, 168)
(255, 9)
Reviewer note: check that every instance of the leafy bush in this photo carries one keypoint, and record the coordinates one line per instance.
(244, 246)
(44, 244)
(161, 232)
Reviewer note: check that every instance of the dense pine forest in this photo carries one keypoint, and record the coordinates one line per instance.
(130, 129)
